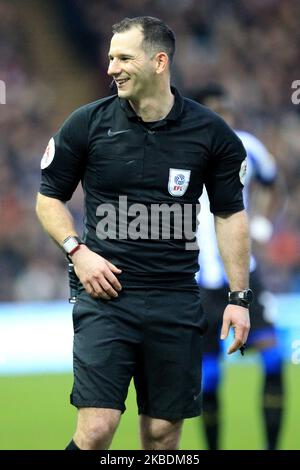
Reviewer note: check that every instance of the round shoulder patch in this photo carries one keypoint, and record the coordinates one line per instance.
(243, 172)
(48, 155)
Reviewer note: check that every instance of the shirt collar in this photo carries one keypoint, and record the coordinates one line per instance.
(173, 115)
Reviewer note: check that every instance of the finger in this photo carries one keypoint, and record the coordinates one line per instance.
(96, 295)
(113, 281)
(88, 288)
(113, 268)
(104, 296)
(235, 346)
(238, 340)
(101, 295)
(225, 328)
(98, 291)
(247, 331)
(245, 336)
(108, 288)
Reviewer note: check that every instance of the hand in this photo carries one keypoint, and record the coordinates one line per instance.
(238, 318)
(96, 274)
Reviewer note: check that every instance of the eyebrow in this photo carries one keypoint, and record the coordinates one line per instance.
(110, 56)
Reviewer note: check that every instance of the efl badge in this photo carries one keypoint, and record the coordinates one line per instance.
(243, 172)
(178, 181)
(48, 155)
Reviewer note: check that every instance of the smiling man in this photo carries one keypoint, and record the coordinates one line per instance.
(138, 312)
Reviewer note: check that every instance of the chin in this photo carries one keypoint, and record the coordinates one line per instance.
(126, 91)
(123, 94)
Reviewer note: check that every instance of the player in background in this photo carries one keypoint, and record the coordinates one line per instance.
(261, 195)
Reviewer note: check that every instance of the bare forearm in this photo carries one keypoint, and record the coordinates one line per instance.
(97, 275)
(55, 218)
(234, 246)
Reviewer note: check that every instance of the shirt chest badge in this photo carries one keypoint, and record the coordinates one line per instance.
(178, 181)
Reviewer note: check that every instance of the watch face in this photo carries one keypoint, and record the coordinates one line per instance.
(243, 295)
(70, 244)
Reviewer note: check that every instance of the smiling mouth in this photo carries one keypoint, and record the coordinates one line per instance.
(121, 81)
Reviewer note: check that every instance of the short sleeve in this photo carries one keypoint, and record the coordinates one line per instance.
(226, 173)
(64, 160)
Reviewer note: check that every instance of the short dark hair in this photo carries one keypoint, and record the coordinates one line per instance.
(157, 35)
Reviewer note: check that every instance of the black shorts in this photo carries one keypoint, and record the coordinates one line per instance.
(214, 302)
(154, 336)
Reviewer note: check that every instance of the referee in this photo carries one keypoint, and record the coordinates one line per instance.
(143, 157)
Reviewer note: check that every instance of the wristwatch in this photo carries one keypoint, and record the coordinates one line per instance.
(71, 244)
(241, 297)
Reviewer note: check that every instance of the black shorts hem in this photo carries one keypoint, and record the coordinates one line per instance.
(97, 404)
(170, 416)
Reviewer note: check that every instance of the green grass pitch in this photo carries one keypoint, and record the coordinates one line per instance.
(35, 413)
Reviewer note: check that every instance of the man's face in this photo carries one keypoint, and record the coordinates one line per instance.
(131, 67)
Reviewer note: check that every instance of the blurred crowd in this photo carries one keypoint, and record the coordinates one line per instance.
(252, 48)
(30, 267)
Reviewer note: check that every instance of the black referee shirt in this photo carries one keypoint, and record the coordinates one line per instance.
(114, 154)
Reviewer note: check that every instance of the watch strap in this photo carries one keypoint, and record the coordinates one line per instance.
(71, 244)
(242, 298)
(240, 302)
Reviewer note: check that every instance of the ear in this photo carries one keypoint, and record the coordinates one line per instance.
(161, 62)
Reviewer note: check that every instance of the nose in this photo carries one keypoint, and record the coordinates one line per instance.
(114, 67)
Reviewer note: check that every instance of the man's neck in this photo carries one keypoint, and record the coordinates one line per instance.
(154, 108)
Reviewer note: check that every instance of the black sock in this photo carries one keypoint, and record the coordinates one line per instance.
(272, 408)
(211, 419)
(72, 446)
